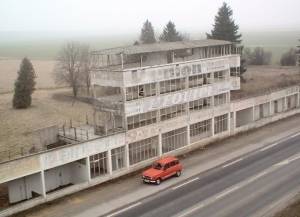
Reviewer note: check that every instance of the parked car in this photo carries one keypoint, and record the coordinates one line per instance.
(162, 169)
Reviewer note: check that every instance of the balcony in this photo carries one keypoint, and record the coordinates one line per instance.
(156, 102)
(148, 74)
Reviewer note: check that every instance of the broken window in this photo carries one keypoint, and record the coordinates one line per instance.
(200, 104)
(172, 112)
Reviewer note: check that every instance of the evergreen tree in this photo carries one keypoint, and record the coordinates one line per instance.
(24, 85)
(147, 33)
(224, 27)
(170, 33)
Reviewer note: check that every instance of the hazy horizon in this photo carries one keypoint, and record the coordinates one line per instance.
(117, 17)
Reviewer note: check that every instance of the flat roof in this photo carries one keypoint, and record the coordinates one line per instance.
(161, 46)
(165, 160)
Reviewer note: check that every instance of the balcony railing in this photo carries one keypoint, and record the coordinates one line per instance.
(149, 74)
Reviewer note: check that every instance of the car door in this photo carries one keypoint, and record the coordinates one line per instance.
(173, 168)
(166, 172)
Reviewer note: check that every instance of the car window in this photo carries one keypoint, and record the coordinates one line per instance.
(157, 166)
(172, 163)
(167, 166)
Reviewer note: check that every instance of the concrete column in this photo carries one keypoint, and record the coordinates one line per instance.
(270, 108)
(127, 156)
(188, 135)
(43, 184)
(285, 104)
(228, 122)
(109, 164)
(253, 113)
(213, 126)
(298, 100)
(234, 120)
(88, 167)
(159, 144)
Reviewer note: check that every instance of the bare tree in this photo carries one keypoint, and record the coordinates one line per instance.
(85, 67)
(73, 66)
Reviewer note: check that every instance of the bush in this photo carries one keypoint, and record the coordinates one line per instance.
(288, 58)
(24, 85)
(258, 56)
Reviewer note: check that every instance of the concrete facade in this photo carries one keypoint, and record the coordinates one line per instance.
(180, 120)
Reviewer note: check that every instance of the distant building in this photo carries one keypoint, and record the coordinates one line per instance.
(150, 100)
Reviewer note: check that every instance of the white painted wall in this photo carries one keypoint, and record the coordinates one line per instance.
(21, 189)
(79, 172)
(56, 177)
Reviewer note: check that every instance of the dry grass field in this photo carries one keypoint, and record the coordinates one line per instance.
(10, 67)
(262, 79)
(49, 107)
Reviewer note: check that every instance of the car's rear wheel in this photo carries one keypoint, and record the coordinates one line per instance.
(178, 173)
(158, 181)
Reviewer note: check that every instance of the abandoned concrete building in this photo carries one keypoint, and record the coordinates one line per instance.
(150, 100)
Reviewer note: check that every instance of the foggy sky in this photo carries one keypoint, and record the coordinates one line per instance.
(127, 16)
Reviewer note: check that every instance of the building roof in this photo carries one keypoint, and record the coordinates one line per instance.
(166, 160)
(161, 46)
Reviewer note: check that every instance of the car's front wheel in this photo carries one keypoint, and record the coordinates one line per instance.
(158, 181)
(178, 173)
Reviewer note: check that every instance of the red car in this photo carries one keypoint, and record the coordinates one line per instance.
(162, 169)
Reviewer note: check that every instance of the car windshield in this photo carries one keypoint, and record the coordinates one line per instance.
(157, 166)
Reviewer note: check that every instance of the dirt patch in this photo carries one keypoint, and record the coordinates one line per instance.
(293, 210)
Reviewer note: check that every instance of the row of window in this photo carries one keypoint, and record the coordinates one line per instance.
(148, 148)
(168, 86)
(174, 111)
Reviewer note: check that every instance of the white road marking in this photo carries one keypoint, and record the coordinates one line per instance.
(125, 209)
(223, 194)
(295, 158)
(185, 183)
(233, 162)
(282, 163)
(237, 186)
(269, 146)
(297, 134)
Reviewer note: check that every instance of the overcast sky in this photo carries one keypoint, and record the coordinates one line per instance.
(127, 16)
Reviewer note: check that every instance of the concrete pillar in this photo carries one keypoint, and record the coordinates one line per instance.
(253, 113)
(109, 163)
(188, 135)
(127, 163)
(159, 144)
(234, 120)
(88, 167)
(298, 100)
(270, 108)
(285, 104)
(43, 184)
(228, 122)
(213, 126)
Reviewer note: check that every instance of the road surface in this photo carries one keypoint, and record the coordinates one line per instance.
(247, 186)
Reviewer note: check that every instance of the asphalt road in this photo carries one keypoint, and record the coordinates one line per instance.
(245, 186)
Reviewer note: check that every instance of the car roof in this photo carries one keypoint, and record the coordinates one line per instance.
(166, 160)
